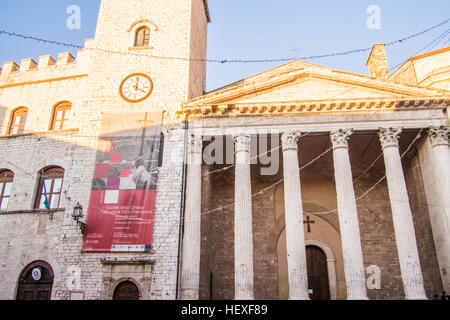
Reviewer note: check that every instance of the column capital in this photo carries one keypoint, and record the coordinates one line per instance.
(242, 143)
(195, 143)
(389, 137)
(289, 140)
(439, 136)
(340, 138)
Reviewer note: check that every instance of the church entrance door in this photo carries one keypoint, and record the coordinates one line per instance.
(126, 290)
(318, 284)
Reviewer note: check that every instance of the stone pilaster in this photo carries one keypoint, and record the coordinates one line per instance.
(190, 270)
(439, 139)
(348, 218)
(293, 208)
(243, 230)
(402, 216)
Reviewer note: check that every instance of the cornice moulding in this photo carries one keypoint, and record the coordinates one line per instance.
(308, 107)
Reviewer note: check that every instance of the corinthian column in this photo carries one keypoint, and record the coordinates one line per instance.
(243, 230)
(293, 210)
(190, 270)
(402, 216)
(348, 217)
(440, 213)
(439, 138)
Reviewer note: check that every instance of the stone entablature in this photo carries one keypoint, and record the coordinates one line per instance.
(274, 108)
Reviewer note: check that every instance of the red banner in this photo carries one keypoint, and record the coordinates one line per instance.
(122, 202)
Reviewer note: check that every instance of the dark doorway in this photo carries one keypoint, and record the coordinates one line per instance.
(36, 282)
(126, 290)
(317, 274)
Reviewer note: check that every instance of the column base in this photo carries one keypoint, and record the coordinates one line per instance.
(244, 298)
(416, 298)
(357, 298)
(300, 298)
(189, 294)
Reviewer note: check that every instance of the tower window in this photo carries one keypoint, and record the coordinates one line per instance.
(142, 38)
(6, 180)
(53, 178)
(18, 120)
(61, 116)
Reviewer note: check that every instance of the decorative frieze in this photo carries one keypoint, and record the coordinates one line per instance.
(293, 108)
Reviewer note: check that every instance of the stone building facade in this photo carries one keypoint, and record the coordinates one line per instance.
(91, 85)
(300, 204)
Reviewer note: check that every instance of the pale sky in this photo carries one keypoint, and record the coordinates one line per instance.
(251, 29)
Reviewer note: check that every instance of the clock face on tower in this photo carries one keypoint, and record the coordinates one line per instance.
(136, 87)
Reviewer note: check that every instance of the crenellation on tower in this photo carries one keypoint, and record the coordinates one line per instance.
(46, 69)
(28, 64)
(46, 61)
(65, 58)
(9, 67)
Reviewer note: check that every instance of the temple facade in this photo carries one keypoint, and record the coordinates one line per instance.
(121, 178)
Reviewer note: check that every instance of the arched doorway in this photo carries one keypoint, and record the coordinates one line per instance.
(318, 281)
(36, 282)
(321, 231)
(126, 290)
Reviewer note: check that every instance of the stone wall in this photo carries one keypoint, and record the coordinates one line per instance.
(28, 235)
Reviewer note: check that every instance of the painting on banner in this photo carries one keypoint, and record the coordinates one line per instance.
(122, 202)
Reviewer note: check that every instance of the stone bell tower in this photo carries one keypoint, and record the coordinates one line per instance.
(147, 58)
(164, 40)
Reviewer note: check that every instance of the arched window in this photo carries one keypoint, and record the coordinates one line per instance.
(6, 180)
(142, 38)
(61, 115)
(36, 282)
(53, 178)
(18, 120)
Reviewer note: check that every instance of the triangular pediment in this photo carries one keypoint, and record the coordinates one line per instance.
(300, 82)
(310, 88)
